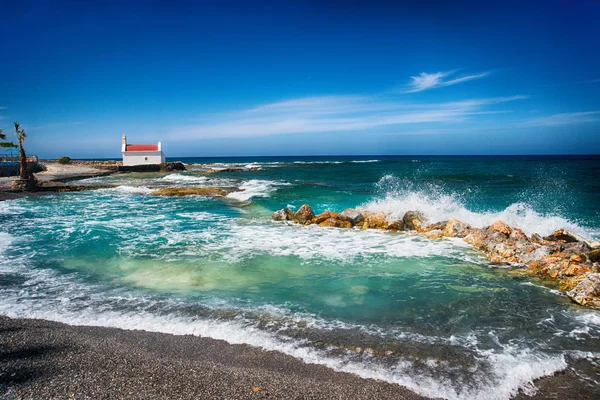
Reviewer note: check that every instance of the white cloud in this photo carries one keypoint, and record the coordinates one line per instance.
(565, 119)
(425, 81)
(334, 114)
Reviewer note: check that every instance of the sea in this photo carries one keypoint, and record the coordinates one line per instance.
(434, 316)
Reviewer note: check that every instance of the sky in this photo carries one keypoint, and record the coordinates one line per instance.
(251, 78)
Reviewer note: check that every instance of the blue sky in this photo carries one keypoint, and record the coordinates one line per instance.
(302, 78)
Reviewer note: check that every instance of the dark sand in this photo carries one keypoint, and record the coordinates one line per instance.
(47, 360)
(43, 360)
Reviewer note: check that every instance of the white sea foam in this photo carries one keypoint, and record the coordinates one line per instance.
(437, 205)
(255, 188)
(132, 189)
(5, 241)
(364, 161)
(184, 178)
(319, 244)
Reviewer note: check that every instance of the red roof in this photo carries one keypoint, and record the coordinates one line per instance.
(141, 147)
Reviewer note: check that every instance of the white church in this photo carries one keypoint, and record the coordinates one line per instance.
(141, 154)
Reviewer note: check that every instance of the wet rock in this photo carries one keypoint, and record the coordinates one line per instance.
(563, 235)
(325, 216)
(231, 170)
(536, 238)
(304, 214)
(396, 226)
(375, 221)
(434, 234)
(285, 214)
(576, 247)
(518, 234)
(354, 216)
(594, 255)
(587, 292)
(501, 227)
(456, 228)
(570, 282)
(476, 237)
(414, 220)
(336, 223)
(436, 226)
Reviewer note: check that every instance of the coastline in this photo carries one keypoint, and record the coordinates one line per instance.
(46, 359)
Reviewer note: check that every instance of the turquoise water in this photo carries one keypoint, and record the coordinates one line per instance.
(431, 315)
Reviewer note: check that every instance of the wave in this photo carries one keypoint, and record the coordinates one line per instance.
(125, 189)
(256, 188)
(184, 178)
(400, 196)
(5, 240)
(510, 369)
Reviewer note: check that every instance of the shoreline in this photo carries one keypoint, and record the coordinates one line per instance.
(47, 359)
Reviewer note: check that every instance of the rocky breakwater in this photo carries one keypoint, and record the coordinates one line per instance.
(563, 256)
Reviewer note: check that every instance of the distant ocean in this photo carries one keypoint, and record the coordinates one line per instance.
(434, 316)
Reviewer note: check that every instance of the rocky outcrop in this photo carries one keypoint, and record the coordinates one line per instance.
(587, 292)
(354, 216)
(456, 228)
(396, 226)
(414, 220)
(284, 214)
(562, 256)
(336, 223)
(304, 214)
(164, 167)
(375, 221)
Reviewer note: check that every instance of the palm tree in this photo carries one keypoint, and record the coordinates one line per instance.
(21, 135)
(6, 144)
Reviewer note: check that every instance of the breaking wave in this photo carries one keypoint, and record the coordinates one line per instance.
(436, 204)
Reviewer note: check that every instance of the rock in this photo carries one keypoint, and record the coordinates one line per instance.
(594, 255)
(231, 170)
(326, 215)
(397, 225)
(587, 292)
(518, 234)
(476, 237)
(437, 226)
(354, 216)
(375, 221)
(285, 214)
(594, 245)
(456, 228)
(336, 223)
(195, 191)
(304, 214)
(414, 220)
(576, 247)
(500, 227)
(570, 282)
(576, 269)
(563, 235)
(434, 234)
(536, 238)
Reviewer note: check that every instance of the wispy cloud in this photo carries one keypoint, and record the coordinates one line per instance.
(336, 114)
(565, 119)
(426, 81)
